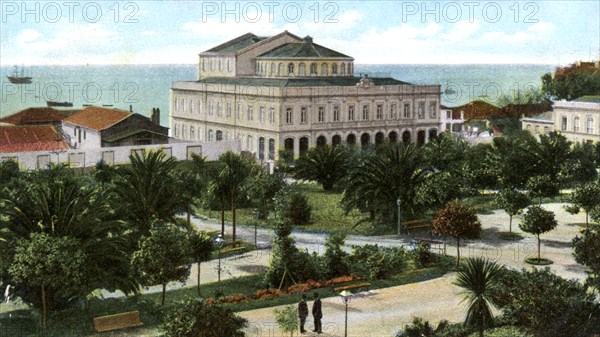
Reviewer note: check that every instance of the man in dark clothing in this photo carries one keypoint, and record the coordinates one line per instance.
(317, 313)
(302, 312)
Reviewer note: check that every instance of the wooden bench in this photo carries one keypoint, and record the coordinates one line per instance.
(118, 321)
(415, 224)
(352, 286)
(234, 245)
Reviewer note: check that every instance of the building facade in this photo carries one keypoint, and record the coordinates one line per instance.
(579, 121)
(286, 92)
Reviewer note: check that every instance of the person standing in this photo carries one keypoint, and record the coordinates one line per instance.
(302, 312)
(317, 313)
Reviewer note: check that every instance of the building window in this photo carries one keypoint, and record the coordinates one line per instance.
(321, 114)
(576, 124)
(432, 106)
(228, 65)
(219, 135)
(271, 115)
(449, 114)
(406, 113)
(219, 109)
(192, 133)
(192, 110)
(324, 69)
(590, 125)
(183, 129)
(210, 135)
(351, 113)
(249, 144)
(250, 113)
(421, 110)
(379, 112)
(261, 114)
(303, 115)
(228, 110)
(343, 69)
(279, 69)
(288, 116)
(239, 111)
(290, 69)
(563, 124)
(210, 108)
(175, 130)
(313, 68)
(182, 104)
(336, 113)
(334, 68)
(393, 111)
(365, 112)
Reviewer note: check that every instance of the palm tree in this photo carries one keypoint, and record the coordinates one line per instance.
(147, 191)
(233, 175)
(393, 171)
(325, 164)
(479, 278)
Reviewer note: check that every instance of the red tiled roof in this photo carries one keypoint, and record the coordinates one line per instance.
(28, 138)
(478, 110)
(34, 116)
(98, 118)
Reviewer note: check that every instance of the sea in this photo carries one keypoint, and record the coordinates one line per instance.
(141, 88)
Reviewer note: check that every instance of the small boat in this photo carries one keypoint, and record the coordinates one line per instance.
(63, 104)
(16, 79)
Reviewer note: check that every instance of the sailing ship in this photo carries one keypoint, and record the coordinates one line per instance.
(16, 79)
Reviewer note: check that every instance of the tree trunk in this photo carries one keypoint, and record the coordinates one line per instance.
(457, 252)
(222, 220)
(539, 254)
(510, 223)
(198, 276)
(232, 218)
(162, 302)
(43, 308)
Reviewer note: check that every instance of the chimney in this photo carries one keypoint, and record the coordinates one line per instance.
(155, 118)
(130, 108)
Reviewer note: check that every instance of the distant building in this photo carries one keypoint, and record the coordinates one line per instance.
(578, 120)
(538, 125)
(287, 92)
(28, 138)
(452, 121)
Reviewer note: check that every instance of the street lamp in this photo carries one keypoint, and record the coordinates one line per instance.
(399, 221)
(219, 241)
(346, 298)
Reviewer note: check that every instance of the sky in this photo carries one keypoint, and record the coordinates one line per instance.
(373, 32)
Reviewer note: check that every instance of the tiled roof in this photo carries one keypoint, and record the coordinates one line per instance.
(478, 110)
(236, 44)
(302, 50)
(28, 138)
(98, 118)
(344, 81)
(543, 117)
(41, 115)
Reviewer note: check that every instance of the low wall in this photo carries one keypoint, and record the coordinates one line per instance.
(78, 158)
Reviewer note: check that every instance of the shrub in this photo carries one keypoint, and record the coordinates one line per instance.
(422, 255)
(377, 262)
(335, 259)
(293, 207)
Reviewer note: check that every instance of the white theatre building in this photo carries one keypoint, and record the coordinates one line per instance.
(287, 92)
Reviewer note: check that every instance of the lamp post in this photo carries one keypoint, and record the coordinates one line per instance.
(219, 241)
(399, 221)
(346, 298)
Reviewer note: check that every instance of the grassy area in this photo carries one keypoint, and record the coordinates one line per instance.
(17, 321)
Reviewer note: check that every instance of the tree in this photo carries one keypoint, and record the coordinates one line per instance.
(287, 319)
(544, 304)
(147, 191)
(234, 174)
(377, 181)
(586, 197)
(420, 328)
(458, 221)
(327, 165)
(570, 85)
(293, 207)
(263, 189)
(552, 150)
(538, 221)
(194, 318)
(542, 186)
(162, 257)
(335, 258)
(9, 170)
(510, 159)
(201, 248)
(579, 167)
(53, 264)
(587, 252)
(512, 202)
(479, 278)
(104, 173)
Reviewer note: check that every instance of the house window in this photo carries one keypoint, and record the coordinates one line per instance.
(590, 125)
(576, 124)
(336, 113)
(219, 135)
(271, 115)
(192, 110)
(392, 111)
(313, 68)
(219, 109)
(228, 110)
(210, 108)
(288, 116)
(182, 104)
(175, 130)
(406, 113)
(563, 124)
(290, 69)
(250, 113)
(449, 114)
(191, 132)
(210, 135)
(432, 106)
(379, 112)
(351, 113)
(183, 131)
(334, 68)
(321, 114)
(303, 115)
(365, 112)
(261, 114)
(421, 110)
(249, 144)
